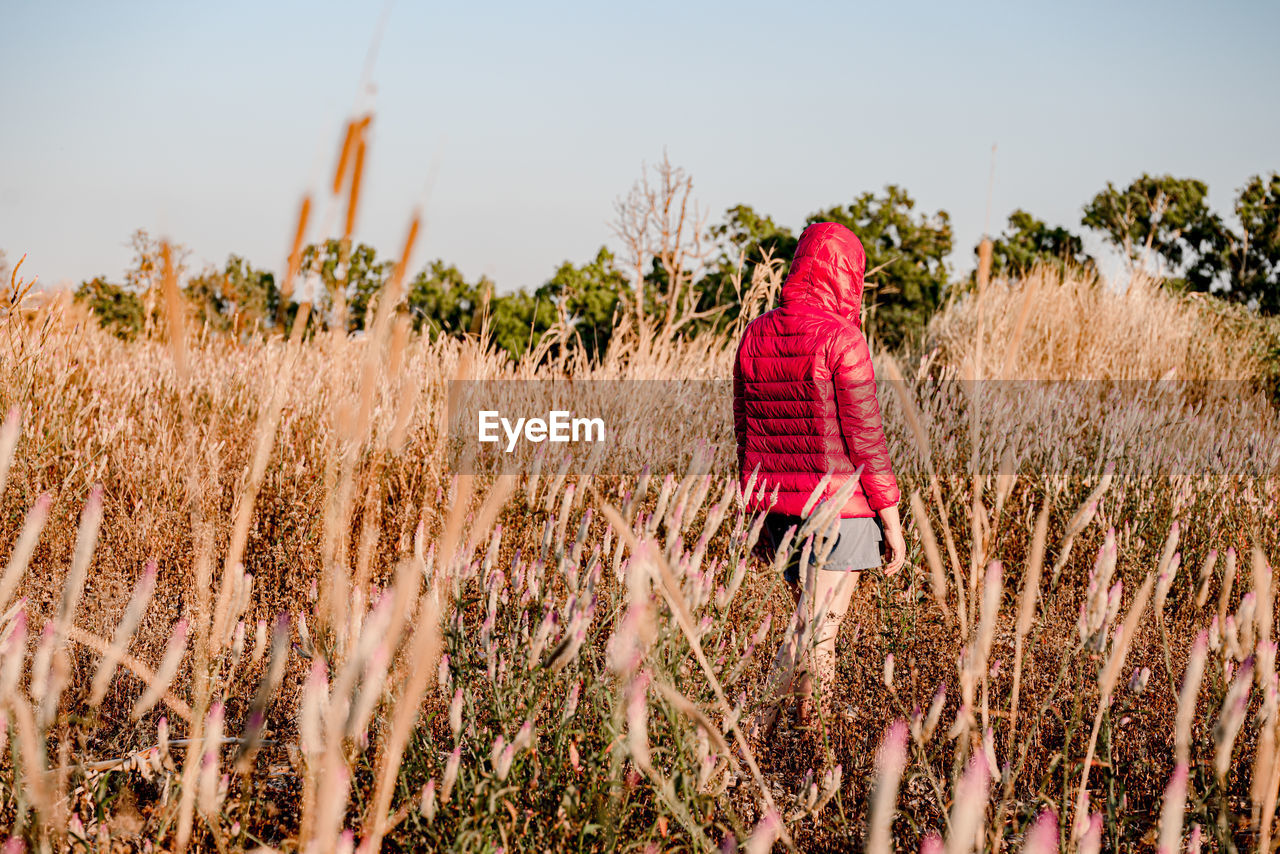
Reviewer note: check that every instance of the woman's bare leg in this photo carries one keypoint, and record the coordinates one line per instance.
(832, 594)
(782, 671)
(810, 637)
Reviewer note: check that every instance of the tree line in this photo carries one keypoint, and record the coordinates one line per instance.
(676, 274)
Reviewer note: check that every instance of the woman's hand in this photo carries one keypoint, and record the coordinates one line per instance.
(895, 545)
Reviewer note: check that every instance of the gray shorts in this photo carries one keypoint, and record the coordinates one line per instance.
(857, 546)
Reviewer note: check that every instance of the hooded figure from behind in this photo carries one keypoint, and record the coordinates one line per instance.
(804, 391)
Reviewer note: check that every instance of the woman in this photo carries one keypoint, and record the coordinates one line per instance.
(804, 406)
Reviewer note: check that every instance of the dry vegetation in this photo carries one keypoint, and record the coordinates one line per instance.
(245, 603)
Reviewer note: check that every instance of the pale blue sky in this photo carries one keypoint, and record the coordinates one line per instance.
(206, 122)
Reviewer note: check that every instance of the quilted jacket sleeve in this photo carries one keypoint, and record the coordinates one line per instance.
(739, 412)
(858, 409)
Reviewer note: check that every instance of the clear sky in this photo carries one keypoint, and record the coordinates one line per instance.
(206, 122)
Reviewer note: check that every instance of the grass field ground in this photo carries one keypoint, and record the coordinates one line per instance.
(247, 603)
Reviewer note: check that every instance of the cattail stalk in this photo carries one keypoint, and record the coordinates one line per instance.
(912, 415)
(23, 548)
(1077, 523)
(73, 587)
(31, 747)
(1026, 616)
(1015, 344)
(1091, 835)
(1264, 588)
(937, 577)
(1231, 719)
(890, 762)
(294, 261)
(124, 633)
(143, 672)
(1228, 581)
(174, 652)
(766, 832)
(1175, 799)
(9, 433)
(968, 812)
(1265, 752)
(1187, 696)
(424, 648)
(1107, 682)
(992, 592)
(202, 682)
(1042, 836)
(1206, 576)
(267, 689)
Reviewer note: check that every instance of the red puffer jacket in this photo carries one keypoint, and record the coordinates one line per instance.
(804, 392)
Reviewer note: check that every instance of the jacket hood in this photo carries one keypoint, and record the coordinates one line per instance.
(827, 271)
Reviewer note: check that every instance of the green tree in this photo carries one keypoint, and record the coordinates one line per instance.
(518, 320)
(583, 298)
(1251, 257)
(909, 248)
(117, 309)
(363, 277)
(1028, 241)
(586, 299)
(1167, 217)
(744, 239)
(235, 299)
(440, 300)
(145, 274)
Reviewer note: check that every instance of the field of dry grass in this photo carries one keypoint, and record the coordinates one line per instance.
(317, 637)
